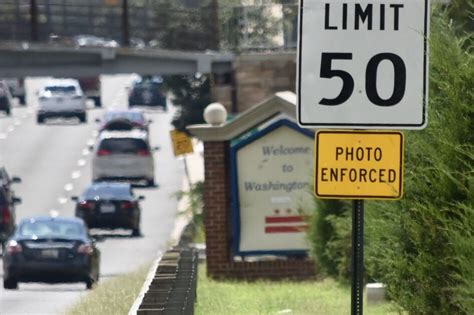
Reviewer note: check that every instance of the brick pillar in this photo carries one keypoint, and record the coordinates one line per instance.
(217, 206)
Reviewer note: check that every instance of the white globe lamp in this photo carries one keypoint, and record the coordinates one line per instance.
(215, 114)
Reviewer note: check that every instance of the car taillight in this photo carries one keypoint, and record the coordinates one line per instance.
(103, 152)
(6, 215)
(13, 247)
(86, 205)
(85, 249)
(126, 205)
(143, 152)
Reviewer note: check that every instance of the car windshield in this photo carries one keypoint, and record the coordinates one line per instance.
(115, 191)
(51, 229)
(123, 145)
(132, 116)
(61, 88)
(148, 85)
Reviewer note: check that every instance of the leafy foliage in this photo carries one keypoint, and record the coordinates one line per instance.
(330, 236)
(422, 247)
(194, 209)
(191, 94)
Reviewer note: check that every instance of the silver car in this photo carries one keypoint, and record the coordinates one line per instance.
(61, 98)
(120, 155)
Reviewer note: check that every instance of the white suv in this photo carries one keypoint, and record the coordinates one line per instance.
(61, 98)
(122, 155)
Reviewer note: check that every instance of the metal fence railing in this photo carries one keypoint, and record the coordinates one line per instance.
(172, 24)
(259, 27)
(173, 289)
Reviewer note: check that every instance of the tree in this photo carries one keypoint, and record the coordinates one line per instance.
(191, 93)
(422, 247)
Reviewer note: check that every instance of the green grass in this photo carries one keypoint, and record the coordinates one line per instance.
(283, 297)
(112, 297)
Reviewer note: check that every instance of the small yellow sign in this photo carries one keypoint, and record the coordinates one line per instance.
(182, 143)
(358, 164)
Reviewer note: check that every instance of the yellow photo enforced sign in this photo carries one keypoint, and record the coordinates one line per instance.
(358, 164)
(182, 143)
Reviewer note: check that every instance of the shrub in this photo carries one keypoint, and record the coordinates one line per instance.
(330, 237)
(422, 247)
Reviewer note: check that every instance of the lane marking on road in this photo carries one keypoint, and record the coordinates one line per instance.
(53, 212)
(85, 151)
(10, 128)
(81, 162)
(76, 174)
(17, 122)
(3, 135)
(68, 187)
(90, 142)
(95, 133)
(62, 200)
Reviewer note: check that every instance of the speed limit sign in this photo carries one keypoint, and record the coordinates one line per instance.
(363, 64)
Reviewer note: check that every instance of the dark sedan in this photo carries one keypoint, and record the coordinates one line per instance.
(110, 205)
(124, 120)
(148, 91)
(51, 250)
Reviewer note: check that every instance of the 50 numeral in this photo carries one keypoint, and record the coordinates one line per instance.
(399, 81)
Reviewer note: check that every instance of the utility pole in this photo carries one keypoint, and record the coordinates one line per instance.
(215, 24)
(125, 24)
(34, 21)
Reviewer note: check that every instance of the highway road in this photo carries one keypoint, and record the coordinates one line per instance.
(53, 161)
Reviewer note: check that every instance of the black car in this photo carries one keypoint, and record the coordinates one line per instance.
(51, 250)
(7, 215)
(5, 98)
(148, 91)
(6, 181)
(7, 205)
(124, 120)
(110, 205)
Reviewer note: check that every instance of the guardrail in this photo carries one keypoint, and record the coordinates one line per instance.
(173, 287)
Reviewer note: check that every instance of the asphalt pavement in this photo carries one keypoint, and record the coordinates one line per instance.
(53, 161)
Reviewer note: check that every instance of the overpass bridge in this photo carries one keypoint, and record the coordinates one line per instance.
(20, 59)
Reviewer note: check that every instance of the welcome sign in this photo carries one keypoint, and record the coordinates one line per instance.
(271, 190)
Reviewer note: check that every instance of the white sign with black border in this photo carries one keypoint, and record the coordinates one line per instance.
(363, 64)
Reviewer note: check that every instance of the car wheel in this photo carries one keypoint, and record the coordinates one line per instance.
(8, 111)
(22, 100)
(40, 119)
(90, 283)
(136, 232)
(97, 101)
(150, 183)
(10, 284)
(82, 118)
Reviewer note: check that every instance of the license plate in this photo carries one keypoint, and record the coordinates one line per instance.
(147, 96)
(107, 208)
(50, 253)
